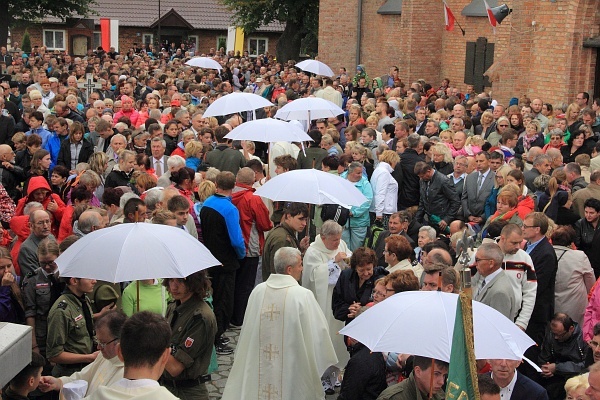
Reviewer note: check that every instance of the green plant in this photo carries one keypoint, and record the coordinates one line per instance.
(26, 43)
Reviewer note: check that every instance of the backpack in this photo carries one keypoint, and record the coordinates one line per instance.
(335, 212)
(373, 234)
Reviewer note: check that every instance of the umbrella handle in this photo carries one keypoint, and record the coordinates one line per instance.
(431, 379)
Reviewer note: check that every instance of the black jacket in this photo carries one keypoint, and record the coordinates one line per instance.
(438, 197)
(408, 194)
(520, 148)
(546, 265)
(587, 239)
(569, 355)
(117, 178)
(7, 129)
(64, 154)
(11, 180)
(364, 376)
(347, 292)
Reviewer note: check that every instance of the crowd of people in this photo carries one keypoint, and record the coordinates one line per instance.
(437, 164)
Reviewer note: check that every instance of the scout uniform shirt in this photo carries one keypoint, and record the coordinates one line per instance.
(40, 291)
(68, 329)
(194, 327)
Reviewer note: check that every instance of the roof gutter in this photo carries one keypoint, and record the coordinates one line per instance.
(359, 31)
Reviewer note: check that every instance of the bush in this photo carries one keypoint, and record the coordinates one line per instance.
(26, 43)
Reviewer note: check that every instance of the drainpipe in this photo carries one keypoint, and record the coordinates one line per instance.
(358, 31)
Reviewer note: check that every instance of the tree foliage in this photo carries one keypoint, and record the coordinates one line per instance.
(26, 43)
(28, 11)
(301, 18)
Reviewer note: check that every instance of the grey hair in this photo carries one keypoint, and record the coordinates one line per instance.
(153, 197)
(163, 143)
(430, 231)
(493, 251)
(284, 257)
(353, 165)
(32, 205)
(174, 161)
(126, 197)
(331, 228)
(87, 220)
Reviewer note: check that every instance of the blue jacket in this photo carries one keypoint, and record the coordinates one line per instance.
(360, 215)
(43, 133)
(221, 230)
(53, 146)
(193, 163)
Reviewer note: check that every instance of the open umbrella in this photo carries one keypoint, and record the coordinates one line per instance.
(316, 67)
(268, 130)
(204, 62)
(311, 186)
(236, 103)
(135, 251)
(422, 323)
(308, 108)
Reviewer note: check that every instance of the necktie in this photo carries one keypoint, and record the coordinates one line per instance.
(481, 286)
(158, 168)
(479, 180)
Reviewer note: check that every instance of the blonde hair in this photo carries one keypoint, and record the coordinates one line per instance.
(192, 148)
(443, 149)
(577, 382)
(389, 156)
(206, 189)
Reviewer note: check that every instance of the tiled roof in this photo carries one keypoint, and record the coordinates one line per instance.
(202, 14)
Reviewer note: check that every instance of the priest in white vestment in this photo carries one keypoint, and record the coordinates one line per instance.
(144, 350)
(323, 262)
(284, 346)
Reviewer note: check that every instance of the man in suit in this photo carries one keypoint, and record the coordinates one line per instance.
(477, 188)
(158, 159)
(491, 285)
(544, 260)
(513, 384)
(438, 202)
(398, 226)
(541, 165)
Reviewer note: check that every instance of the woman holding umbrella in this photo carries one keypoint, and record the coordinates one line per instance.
(194, 327)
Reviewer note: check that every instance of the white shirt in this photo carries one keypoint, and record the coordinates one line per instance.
(506, 392)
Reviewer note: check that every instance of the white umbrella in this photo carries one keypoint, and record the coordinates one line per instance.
(311, 186)
(236, 103)
(135, 251)
(204, 62)
(422, 323)
(268, 130)
(316, 67)
(308, 108)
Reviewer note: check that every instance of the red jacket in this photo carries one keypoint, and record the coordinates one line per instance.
(39, 182)
(253, 213)
(19, 224)
(66, 224)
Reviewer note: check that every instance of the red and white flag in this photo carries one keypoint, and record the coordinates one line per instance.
(490, 14)
(449, 17)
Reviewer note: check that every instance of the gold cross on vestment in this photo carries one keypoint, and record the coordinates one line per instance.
(269, 392)
(271, 311)
(271, 352)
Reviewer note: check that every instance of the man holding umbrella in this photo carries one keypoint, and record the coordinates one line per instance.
(419, 384)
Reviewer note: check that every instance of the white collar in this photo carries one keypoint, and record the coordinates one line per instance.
(136, 383)
(507, 391)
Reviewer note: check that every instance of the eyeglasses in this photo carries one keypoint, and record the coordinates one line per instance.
(503, 126)
(529, 226)
(46, 263)
(482, 259)
(102, 346)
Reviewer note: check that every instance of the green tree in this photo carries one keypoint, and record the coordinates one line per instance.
(23, 11)
(300, 17)
(26, 43)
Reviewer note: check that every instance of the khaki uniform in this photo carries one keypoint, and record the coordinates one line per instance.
(194, 326)
(282, 236)
(67, 332)
(37, 299)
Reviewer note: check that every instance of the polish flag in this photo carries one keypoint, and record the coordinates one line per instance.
(449, 17)
(490, 14)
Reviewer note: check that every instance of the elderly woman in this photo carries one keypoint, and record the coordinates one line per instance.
(385, 188)
(323, 263)
(575, 276)
(442, 159)
(533, 138)
(397, 255)
(356, 230)
(501, 126)
(576, 387)
(353, 289)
